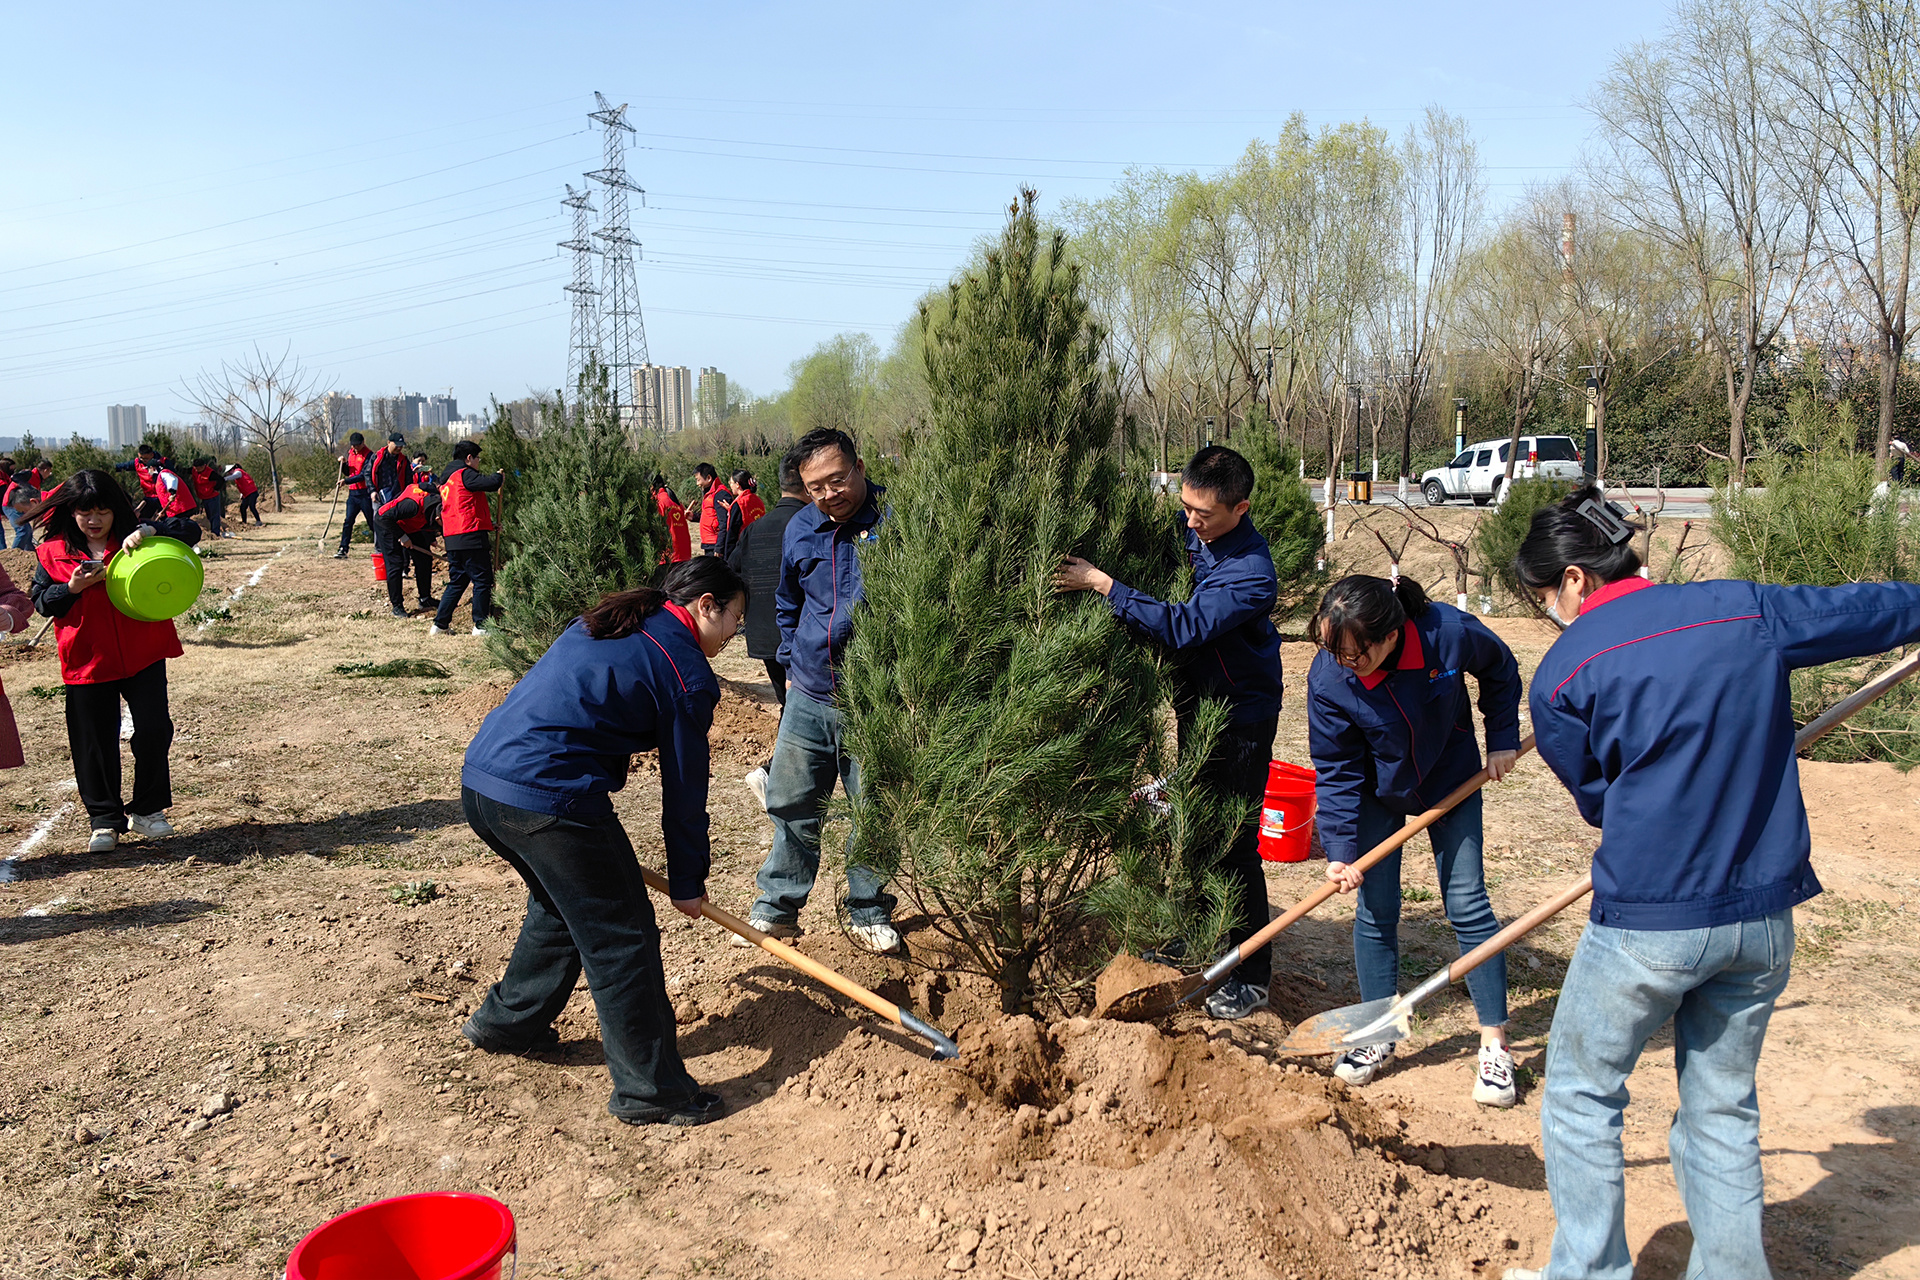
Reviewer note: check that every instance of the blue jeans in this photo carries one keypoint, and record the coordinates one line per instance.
(22, 531)
(215, 508)
(587, 907)
(358, 504)
(807, 756)
(1718, 985)
(1463, 892)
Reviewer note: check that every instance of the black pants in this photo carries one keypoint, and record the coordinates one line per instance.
(397, 557)
(1238, 767)
(93, 736)
(475, 566)
(357, 503)
(778, 675)
(587, 907)
(250, 502)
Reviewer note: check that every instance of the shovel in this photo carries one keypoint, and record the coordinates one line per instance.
(1163, 998)
(1387, 1021)
(943, 1046)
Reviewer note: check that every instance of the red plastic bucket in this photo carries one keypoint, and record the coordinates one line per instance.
(1286, 820)
(379, 567)
(437, 1235)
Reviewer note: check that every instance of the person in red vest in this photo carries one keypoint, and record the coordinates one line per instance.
(173, 491)
(719, 521)
(402, 531)
(106, 656)
(249, 493)
(210, 491)
(142, 465)
(747, 497)
(352, 474)
(680, 544)
(465, 523)
(23, 491)
(387, 471)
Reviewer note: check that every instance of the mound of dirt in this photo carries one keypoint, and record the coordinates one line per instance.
(471, 705)
(1107, 1149)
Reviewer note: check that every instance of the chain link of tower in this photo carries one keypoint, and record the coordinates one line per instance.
(623, 335)
(583, 348)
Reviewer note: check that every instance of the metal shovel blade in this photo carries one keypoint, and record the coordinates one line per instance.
(1374, 1022)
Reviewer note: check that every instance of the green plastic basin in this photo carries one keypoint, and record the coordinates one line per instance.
(158, 580)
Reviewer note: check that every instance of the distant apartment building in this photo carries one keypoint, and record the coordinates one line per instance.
(666, 391)
(713, 397)
(344, 413)
(465, 428)
(397, 413)
(438, 411)
(126, 423)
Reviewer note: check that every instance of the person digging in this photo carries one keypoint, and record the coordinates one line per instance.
(1228, 649)
(403, 531)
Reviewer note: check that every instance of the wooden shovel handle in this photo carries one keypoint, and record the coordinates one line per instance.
(1413, 828)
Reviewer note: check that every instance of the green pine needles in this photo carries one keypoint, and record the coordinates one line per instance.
(583, 523)
(1002, 728)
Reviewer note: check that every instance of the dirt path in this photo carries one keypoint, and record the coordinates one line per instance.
(216, 1041)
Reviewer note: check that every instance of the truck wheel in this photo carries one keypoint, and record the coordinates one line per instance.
(1435, 492)
(1481, 499)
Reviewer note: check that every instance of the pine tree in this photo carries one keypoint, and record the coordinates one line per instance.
(584, 524)
(1282, 507)
(1002, 728)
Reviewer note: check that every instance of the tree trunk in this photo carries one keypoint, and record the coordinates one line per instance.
(1891, 342)
(273, 465)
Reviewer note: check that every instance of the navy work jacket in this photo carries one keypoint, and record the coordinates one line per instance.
(820, 583)
(1404, 734)
(1667, 713)
(1224, 631)
(562, 741)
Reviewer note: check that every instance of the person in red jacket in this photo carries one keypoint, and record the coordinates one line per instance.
(746, 496)
(403, 530)
(465, 523)
(23, 491)
(106, 656)
(719, 520)
(142, 464)
(173, 490)
(15, 609)
(210, 491)
(353, 466)
(680, 545)
(249, 492)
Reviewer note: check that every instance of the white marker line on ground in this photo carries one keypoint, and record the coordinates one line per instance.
(253, 580)
(35, 836)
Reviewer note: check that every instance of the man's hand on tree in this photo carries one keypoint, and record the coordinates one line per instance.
(1080, 575)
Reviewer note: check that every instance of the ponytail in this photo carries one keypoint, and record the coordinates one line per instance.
(1359, 611)
(621, 613)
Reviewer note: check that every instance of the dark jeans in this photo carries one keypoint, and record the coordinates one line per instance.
(587, 907)
(474, 566)
(22, 532)
(397, 557)
(357, 503)
(93, 736)
(778, 675)
(1238, 767)
(215, 509)
(250, 502)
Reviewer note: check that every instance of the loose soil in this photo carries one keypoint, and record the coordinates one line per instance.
(218, 1040)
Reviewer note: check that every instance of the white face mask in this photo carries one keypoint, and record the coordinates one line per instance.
(1554, 613)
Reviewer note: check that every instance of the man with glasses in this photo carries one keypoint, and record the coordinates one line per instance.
(819, 585)
(1224, 639)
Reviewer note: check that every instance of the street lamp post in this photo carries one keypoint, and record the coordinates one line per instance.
(1459, 425)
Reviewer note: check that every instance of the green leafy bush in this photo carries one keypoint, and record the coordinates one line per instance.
(1282, 508)
(1499, 535)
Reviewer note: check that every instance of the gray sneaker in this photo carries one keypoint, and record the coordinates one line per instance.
(772, 928)
(1236, 1000)
(1357, 1066)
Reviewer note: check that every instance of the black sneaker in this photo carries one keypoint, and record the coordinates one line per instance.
(1236, 1000)
(429, 603)
(398, 612)
(548, 1038)
(339, 555)
(702, 1108)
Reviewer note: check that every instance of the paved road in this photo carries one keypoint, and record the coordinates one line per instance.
(1682, 504)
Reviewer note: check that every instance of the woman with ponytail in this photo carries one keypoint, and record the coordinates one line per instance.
(1390, 726)
(631, 675)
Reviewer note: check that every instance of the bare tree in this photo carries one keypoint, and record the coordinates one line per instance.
(1855, 65)
(1706, 151)
(263, 397)
(1513, 307)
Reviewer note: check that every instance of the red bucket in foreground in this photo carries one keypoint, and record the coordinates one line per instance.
(1286, 820)
(438, 1235)
(379, 567)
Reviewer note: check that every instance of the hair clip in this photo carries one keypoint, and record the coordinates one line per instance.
(1606, 518)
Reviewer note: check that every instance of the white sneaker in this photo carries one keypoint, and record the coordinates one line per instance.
(1357, 1066)
(772, 928)
(1494, 1088)
(435, 629)
(151, 825)
(877, 938)
(103, 841)
(757, 783)
(479, 631)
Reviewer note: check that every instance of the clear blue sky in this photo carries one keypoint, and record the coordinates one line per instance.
(379, 186)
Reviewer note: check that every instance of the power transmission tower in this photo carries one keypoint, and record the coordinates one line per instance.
(623, 333)
(583, 349)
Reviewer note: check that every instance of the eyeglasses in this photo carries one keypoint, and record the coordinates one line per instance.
(832, 485)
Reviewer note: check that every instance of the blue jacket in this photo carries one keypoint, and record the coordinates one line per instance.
(820, 584)
(1404, 735)
(563, 739)
(1666, 711)
(1223, 631)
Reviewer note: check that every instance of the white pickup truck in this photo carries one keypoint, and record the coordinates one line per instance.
(1480, 471)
